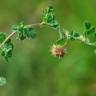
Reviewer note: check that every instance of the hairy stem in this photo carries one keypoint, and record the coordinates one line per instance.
(60, 33)
(38, 24)
(13, 33)
(81, 38)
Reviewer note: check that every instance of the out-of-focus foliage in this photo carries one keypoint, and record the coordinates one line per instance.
(2, 37)
(2, 81)
(35, 72)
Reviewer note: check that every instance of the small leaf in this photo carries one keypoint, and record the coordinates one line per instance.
(74, 35)
(3, 81)
(20, 31)
(24, 31)
(49, 17)
(91, 30)
(48, 14)
(54, 24)
(50, 9)
(30, 32)
(7, 51)
(87, 25)
(2, 37)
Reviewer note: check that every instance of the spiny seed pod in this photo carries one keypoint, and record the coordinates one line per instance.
(58, 51)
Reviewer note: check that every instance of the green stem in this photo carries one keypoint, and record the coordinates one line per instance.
(60, 33)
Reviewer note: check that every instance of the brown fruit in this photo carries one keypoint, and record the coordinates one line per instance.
(58, 51)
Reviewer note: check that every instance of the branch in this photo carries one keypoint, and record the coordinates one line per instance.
(13, 33)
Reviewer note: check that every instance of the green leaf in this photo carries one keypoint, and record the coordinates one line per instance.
(24, 31)
(7, 50)
(74, 35)
(30, 32)
(89, 28)
(49, 17)
(48, 14)
(60, 41)
(87, 25)
(2, 37)
(21, 31)
(3, 81)
(54, 24)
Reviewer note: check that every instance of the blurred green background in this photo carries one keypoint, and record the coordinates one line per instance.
(33, 71)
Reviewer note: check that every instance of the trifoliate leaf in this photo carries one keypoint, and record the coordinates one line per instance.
(2, 37)
(54, 24)
(20, 31)
(48, 14)
(30, 32)
(7, 50)
(87, 25)
(49, 17)
(24, 31)
(89, 28)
